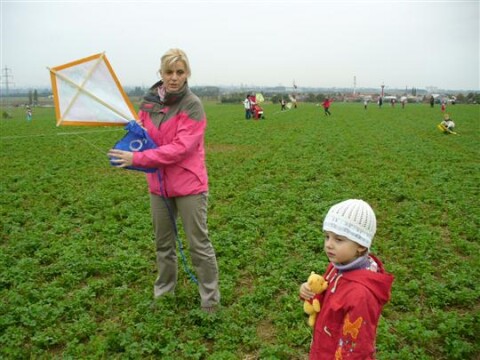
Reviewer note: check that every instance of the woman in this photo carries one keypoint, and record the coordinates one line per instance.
(174, 118)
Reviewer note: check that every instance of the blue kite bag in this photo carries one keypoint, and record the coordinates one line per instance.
(136, 139)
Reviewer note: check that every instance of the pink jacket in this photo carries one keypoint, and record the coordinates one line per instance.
(177, 125)
(350, 309)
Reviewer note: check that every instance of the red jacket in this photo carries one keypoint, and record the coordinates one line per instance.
(350, 309)
(177, 125)
(326, 103)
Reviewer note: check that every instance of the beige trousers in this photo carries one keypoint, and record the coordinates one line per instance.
(193, 212)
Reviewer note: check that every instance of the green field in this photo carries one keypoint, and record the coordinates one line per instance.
(77, 258)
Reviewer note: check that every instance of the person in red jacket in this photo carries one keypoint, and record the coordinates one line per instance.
(175, 120)
(326, 106)
(358, 286)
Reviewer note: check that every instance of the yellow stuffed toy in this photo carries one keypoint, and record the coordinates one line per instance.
(311, 307)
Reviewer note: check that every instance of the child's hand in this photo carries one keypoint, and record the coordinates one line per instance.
(305, 292)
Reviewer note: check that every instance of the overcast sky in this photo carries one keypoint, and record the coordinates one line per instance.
(265, 43)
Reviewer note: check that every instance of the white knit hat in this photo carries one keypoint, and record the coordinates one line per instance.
(353, 219)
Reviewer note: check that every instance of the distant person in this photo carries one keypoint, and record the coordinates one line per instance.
(392, 102)
(257, 111)
(358, 285)
(283, 103)
(294, 101)
(326, 106)
(380, 102)
(404, 101)
(29, 113)
(253, 102)
(174, 118)
(448, 124)
(444, 106)
(248, 107)
(365, 104)
(432, 101)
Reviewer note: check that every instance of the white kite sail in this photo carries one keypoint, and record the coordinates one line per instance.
(87, 92)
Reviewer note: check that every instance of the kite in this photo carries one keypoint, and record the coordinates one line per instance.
(87, 92)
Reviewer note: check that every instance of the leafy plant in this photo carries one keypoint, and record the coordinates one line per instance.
(77, 256)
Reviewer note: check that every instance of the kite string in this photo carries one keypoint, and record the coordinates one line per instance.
(92, 144)
(175, 230)
(170, 213)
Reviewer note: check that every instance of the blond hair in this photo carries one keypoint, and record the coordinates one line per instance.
(171, 57)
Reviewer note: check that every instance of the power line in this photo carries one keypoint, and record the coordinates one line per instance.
(5, 80)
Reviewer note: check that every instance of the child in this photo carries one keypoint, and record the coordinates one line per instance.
(448, 123)
(358, 286)
(326, 106)
(29, 113)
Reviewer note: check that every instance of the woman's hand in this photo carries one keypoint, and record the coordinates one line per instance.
(139, 122)
(305, 292)
(121, 158)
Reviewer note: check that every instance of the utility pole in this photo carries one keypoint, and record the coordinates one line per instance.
(6, 76)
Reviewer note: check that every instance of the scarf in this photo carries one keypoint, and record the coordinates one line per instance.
(158, 94)
(363, 262)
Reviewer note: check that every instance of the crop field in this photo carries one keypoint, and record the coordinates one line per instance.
(77, 259)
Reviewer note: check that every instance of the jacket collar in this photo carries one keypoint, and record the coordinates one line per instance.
(157, 94)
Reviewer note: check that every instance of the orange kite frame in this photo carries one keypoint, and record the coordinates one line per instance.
(54, 72)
